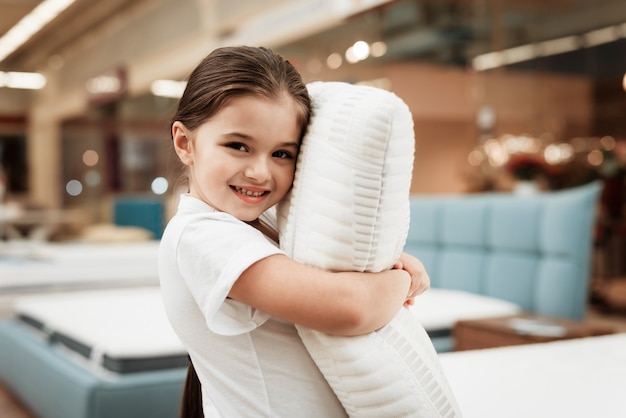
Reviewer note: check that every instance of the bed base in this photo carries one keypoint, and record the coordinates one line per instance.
(54, 385)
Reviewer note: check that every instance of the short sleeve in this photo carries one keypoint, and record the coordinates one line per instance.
(212, 252)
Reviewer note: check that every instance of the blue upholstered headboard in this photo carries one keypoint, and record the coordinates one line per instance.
(532, 250)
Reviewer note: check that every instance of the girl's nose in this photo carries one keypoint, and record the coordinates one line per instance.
(258, 170)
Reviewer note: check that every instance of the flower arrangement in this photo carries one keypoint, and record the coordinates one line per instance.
(499, 163)
(524, 166)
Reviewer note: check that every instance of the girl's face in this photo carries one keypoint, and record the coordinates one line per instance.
(242, 160)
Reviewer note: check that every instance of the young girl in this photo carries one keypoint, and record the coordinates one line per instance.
(230, 293)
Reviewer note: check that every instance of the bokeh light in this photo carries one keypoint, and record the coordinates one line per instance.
(92, 178)
(90, 158)
(334, 61)
(159, 185)
(74, 187)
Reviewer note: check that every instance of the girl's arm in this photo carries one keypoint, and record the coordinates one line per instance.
(343, 303)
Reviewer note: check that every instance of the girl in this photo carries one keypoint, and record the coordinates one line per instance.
(230, 293)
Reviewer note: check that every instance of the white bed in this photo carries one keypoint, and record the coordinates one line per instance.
(439, 309)
(572, 378)
(35, 266)
(108, 353)
(118, 330)
(28, 267)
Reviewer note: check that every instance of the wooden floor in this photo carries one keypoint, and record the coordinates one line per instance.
(10, 407)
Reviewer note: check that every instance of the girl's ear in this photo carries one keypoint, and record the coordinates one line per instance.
(182, 143)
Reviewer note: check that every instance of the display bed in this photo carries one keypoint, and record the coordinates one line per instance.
(93, 354)
(112, 353)
(123, 331)
(33, 267)
(582, 377)
(438, 310)
(29, 268)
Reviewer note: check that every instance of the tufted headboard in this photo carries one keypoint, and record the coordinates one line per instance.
(534, 251)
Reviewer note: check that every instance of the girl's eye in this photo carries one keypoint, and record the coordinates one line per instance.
(284, 155)
(237, 146)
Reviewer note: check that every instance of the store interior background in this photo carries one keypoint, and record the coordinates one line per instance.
(501, 91)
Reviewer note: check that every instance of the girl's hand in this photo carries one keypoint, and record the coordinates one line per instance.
(420, 281)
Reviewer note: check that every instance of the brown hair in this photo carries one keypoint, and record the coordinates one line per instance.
(235, 71)
(191, 403)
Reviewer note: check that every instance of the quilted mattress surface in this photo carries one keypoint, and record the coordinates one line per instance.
(115, 330)
(349, 210)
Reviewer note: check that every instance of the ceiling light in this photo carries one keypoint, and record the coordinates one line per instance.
(378, 49)
(19, 80)
(351, 56)
(104, 84)
(361, 50)
(558, 46)
(31, 24)
(488, 61)
(600, 36)
(519, 53)
(168, 88)
(334, 61)
(528, 52)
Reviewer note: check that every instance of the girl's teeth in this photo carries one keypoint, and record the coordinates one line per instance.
(249, 193)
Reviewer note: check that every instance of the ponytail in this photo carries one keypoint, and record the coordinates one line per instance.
(191, 404)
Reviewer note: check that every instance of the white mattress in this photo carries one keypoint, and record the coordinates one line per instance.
(49, 266)
(119, 330)
(439, 309)
(572, 378)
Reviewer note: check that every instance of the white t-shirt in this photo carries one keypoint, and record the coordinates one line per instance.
(249, 363)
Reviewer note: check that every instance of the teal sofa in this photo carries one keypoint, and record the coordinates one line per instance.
(534, 251)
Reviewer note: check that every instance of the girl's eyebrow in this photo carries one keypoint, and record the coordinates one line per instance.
(246, 137)
(239, 135)
(293, 144)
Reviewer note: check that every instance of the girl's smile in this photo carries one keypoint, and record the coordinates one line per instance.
(248, 195)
